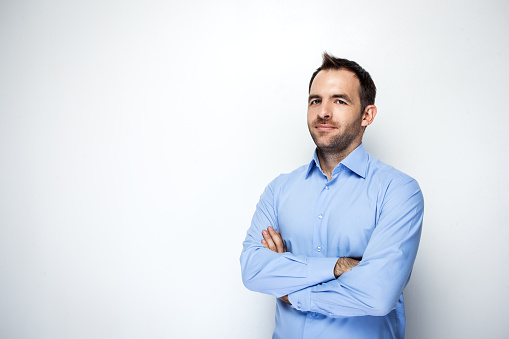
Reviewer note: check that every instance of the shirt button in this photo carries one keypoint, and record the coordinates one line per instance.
(326, 187)
(320, 216)
(319, 248)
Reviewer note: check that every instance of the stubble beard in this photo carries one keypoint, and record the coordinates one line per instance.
(337, 144)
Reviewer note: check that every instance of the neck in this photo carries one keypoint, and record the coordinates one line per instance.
(329, 159)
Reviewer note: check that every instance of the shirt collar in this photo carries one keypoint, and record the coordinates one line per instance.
(356, 161)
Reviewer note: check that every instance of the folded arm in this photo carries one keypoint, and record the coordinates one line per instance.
(277, 274)
(375, 285)
(273, 241)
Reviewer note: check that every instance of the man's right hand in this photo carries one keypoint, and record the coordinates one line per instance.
(274, 242)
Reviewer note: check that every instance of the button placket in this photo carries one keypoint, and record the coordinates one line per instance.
(320, 217)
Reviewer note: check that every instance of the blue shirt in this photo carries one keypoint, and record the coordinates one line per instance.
(367, 210)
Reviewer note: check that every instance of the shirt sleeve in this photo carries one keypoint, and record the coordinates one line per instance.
(374, 286)
(274, 273)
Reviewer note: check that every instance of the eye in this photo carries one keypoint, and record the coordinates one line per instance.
(339, 101)
(314, 102)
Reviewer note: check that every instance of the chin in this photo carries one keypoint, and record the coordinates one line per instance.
(324, 142)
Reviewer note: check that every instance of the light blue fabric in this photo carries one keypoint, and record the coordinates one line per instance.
(367, 210)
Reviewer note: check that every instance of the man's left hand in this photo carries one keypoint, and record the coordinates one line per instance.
(273, 240)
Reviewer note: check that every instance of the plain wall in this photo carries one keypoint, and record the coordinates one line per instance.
(137, 136)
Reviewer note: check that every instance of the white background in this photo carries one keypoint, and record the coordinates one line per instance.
(137, 136)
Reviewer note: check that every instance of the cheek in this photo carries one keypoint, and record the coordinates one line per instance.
(311, 115)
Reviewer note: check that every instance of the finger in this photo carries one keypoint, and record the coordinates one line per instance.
(268, 239)
(278, 241)
(264, 243)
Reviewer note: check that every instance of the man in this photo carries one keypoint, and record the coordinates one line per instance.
(335, 240)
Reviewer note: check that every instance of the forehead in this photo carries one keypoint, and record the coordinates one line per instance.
(334, 81)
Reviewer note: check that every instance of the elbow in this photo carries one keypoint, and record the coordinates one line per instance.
(248, 280)
(381, 307)
(381, 311)
(252, 281)
(249, 273)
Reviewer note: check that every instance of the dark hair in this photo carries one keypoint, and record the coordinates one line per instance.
(367, 91)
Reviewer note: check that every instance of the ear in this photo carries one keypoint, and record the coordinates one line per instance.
(369, 115)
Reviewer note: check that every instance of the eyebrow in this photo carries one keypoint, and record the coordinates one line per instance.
(341, 96)
(313, 96)
(333, 96)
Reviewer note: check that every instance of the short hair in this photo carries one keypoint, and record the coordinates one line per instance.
(367, 91)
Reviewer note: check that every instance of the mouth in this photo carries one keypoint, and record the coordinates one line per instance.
(324, 127)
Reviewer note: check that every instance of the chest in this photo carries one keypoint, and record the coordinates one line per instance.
(328, 219)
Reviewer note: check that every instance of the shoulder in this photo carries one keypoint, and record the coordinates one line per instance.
(296, 176)
(381, 171)
(391, 180)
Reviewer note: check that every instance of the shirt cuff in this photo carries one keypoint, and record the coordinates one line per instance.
(301, 300)
(321, 270)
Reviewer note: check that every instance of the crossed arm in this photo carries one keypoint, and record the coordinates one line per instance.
(273, 241)
(319, 284)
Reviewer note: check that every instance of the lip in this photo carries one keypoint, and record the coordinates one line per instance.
(324, 127)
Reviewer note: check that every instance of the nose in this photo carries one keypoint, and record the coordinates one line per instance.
(325, 111)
